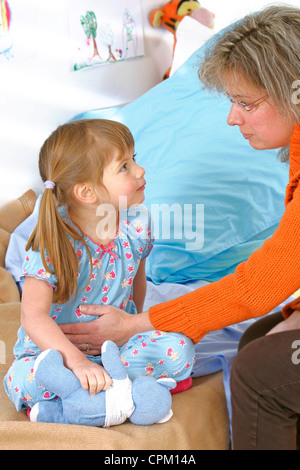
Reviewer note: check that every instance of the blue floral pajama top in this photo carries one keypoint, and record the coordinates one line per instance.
(113, 270)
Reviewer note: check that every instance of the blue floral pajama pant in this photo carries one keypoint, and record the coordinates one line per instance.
(152, 353)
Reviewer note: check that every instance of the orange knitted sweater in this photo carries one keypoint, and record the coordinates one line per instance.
(267, 278)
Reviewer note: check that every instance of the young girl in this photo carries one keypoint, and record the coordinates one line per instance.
(86, 249)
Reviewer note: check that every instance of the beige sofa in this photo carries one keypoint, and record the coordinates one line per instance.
(200, 419)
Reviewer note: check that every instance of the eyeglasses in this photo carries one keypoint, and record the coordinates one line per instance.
(248, 106)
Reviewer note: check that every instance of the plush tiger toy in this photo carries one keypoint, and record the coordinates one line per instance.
(170, 15)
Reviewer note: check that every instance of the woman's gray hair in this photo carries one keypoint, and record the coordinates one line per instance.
(265, 48)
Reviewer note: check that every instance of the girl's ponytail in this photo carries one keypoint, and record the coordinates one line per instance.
(50, 238)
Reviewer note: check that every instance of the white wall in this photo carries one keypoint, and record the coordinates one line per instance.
(42, 92)
(231, 10)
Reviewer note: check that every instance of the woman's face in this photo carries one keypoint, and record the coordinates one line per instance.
(264, 127)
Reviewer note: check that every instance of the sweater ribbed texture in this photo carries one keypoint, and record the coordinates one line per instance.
(266, 279)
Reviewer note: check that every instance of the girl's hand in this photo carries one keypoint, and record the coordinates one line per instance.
(93, 377)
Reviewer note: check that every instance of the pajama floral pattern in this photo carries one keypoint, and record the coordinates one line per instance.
(114, 267)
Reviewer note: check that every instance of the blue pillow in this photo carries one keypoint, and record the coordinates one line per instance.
(220, 198)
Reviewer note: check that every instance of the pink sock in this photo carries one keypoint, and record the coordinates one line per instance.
(182, 385)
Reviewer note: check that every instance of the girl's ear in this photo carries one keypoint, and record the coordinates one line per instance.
(84, 192)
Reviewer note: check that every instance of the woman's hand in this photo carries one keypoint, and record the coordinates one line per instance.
(291, 323)
(111, 323)
(93, 377)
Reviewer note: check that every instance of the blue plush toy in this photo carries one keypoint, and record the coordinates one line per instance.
(143, 400)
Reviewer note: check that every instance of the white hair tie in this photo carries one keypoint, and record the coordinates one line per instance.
(49, 184)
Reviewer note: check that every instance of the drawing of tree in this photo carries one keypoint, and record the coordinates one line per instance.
(89, 24)
(107, 38)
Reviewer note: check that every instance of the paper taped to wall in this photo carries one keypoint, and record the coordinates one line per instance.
(105, 32)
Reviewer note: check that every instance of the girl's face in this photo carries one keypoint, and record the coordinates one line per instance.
(124, 178)
(264, 127)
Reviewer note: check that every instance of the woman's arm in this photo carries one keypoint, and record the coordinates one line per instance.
(45, 333)
(269, 277)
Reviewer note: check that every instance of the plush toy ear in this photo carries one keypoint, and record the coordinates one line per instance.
(155, 18)
(50, 372)
(167, 382)
(111, 361)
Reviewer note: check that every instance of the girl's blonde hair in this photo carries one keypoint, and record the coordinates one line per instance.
(74, 153)
(264, 48)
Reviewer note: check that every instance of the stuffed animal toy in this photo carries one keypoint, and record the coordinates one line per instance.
(144, 400)
(170, 15)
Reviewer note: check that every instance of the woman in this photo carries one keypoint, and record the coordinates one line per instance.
(257, 65)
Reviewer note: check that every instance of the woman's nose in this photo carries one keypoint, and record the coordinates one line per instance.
(235, 116)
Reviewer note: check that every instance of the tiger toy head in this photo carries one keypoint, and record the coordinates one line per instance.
(170, 15)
